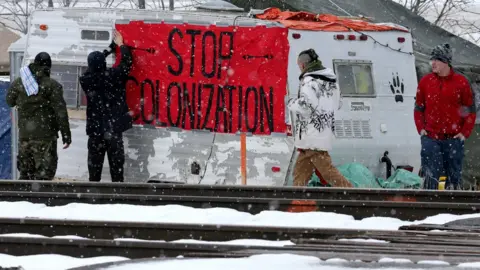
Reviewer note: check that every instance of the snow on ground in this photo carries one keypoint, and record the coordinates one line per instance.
(246, 242)
(264, 262)
(258, 262)
(216, 216)
(52, 262)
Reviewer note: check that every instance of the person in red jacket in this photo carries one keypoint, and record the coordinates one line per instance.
(444, 115)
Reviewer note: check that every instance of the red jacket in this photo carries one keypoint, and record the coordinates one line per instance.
(444, 106)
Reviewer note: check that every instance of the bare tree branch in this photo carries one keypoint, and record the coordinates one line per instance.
(449, 14)
(418, 7)
(15, 13)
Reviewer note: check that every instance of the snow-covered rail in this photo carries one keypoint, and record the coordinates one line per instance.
(357, 208)
(360, 203)
(351, 245)
(179, 189)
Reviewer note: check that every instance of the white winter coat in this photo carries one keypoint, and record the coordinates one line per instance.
(318, 100)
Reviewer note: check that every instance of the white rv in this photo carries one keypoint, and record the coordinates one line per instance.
(376, 73)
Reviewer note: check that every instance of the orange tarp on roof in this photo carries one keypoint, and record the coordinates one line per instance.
(321, 22)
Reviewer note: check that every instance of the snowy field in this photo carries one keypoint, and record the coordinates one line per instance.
(218, 216)
(269, 262)
(258, 262)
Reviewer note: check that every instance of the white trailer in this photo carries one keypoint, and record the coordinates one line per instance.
(372, 120)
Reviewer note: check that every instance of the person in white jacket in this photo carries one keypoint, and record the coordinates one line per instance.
(318, 99)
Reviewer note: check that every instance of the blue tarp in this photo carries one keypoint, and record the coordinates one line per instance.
(5, 134)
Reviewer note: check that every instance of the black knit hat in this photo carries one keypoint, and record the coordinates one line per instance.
(96, 61)
(43, 60)
(442, 53)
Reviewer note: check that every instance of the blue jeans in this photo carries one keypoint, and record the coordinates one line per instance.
(442, 157)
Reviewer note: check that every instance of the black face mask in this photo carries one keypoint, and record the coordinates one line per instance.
(47, 71)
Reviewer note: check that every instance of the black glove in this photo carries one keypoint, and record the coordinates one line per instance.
(67, 140)
(112, 48)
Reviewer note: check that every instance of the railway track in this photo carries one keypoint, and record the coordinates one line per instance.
(360, 203)
(416, 246)
(213, 232)
(103, 238)
(357, 208)
(242, 191)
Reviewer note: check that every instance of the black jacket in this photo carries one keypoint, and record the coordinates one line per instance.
(107, 109)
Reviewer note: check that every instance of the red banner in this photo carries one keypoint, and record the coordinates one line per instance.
(222, 79)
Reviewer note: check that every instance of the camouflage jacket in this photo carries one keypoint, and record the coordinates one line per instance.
(40, 116)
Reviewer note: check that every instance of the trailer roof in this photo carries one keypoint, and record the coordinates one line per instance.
(324, 22)
(425, 33)
(187, 16)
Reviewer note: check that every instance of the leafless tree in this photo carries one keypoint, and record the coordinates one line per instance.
(14, 13)
(418, 7)
(67, 3)
(466, 26)
(111, 3)
(161, 4)
(449, 14)
(439, 10)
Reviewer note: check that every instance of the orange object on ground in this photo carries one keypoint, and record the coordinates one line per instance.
(322, 22)
(301, 206)
(243, 157)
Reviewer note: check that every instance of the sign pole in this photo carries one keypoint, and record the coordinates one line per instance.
(243, 157)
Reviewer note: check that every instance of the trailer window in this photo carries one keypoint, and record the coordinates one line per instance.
(95, 35)
(67, 76)
(355, 79)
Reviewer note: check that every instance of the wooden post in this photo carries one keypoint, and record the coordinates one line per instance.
(243, 157)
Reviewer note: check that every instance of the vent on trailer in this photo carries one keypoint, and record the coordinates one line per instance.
(354, 129)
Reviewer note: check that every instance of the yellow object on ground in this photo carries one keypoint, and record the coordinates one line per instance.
(441, 183)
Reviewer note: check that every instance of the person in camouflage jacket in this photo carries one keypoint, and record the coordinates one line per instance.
(42, 112)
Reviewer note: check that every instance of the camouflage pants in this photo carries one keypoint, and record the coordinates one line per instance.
(37, 160)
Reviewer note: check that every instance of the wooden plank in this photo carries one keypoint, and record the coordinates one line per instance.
(430, 227)
(363, 249)
(440, 238)
(386, 246)
(437, 241)
(410, 234)
(469, 235)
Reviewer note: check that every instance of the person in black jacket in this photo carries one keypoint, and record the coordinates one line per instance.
(108, 115)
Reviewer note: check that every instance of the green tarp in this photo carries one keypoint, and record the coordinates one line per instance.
(361, 177)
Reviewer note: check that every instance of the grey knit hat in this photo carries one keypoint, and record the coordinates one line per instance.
(443, 53)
